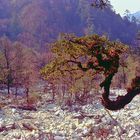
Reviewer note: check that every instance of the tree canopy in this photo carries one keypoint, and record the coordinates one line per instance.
(91, 53)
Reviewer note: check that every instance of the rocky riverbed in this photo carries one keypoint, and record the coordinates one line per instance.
(87, 122)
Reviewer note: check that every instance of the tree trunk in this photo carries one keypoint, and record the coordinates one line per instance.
(124, 77)
(121, 101)
(8, 84)
(8, 87)
(53, 92)
(63, 92)
(27, 95)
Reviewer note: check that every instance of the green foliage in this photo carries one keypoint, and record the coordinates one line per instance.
(82, 59)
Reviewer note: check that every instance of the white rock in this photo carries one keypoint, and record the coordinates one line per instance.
(85, 131)
(76, 114)
(13, 110)
(131, 133)
(57, 113)
(103, 120)
(58, 138)
(74, 135)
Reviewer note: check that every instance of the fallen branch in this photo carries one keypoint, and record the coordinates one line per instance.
(83, 115)
(25, 107)
(28, 126)
(8, 127)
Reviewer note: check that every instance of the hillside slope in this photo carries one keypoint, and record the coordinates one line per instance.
(37, 22)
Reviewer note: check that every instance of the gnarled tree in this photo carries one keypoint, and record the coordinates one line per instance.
(91, 53)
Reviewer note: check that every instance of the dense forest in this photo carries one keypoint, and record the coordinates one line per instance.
(38, 22)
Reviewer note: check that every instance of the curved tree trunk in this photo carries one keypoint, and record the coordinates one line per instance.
(120, 101)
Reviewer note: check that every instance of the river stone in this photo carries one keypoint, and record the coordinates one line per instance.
(74, 135)
(85, 131)
(131, 133)
(58, 138)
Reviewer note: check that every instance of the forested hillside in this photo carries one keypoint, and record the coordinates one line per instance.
(37, 22)
(69, 70)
